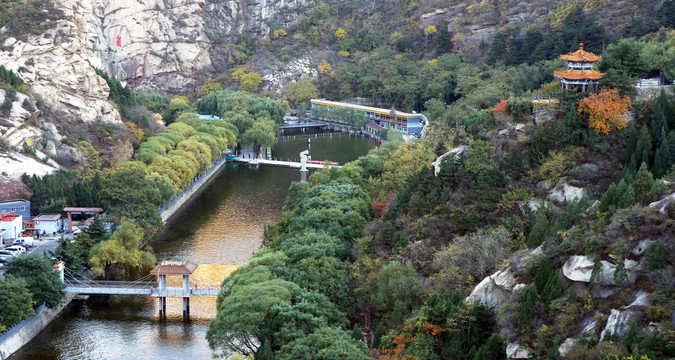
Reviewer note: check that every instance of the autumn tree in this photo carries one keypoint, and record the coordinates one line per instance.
(121, 252)
(301, 91)
(604, 111)
(210, 86)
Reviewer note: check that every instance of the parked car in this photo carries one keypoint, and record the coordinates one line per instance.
(16, 248)
(5, 258)
(11, 254)
(24, 241)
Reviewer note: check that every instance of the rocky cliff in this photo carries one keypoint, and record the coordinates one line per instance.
(55, 65)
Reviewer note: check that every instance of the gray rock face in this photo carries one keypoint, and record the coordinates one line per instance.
(660, 205)
(489, 293)
(55, 65)
(566, 346)
(565, 193)
(641, 247)
(456, 152)
(517, 351)
(619, 322)
(580, 268)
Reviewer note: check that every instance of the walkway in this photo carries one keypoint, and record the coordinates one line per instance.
(279, 163)
(303, 125)
(149, 288)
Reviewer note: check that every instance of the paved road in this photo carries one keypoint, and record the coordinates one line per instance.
(42, 246)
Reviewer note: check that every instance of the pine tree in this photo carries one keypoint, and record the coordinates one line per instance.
(528, 311)
(608, 200)
(542, 277)
(662, 160)
(620, 274)
(264, 352)
(595, 275)
(553, 289)
(644, 184)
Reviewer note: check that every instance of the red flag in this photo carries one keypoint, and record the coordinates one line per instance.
(119, 41)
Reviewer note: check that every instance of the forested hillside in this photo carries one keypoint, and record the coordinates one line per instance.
(547, 232)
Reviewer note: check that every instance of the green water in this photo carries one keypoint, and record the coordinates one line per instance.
(220, 229)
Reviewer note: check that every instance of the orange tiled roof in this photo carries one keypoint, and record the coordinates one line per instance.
(581, 56)
(579, 74)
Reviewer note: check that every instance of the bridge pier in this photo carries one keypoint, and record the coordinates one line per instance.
(186, 308)
(162, 307)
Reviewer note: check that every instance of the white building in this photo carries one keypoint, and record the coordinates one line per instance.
(48, 224)
(11, 227)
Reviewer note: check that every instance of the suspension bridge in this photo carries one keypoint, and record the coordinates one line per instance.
(77, 284)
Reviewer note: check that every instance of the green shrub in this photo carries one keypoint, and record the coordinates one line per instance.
(7, 104)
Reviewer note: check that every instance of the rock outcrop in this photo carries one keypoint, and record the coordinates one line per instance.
(55, 65)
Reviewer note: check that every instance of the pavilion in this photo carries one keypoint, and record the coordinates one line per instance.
(580, 72)
(182, 268)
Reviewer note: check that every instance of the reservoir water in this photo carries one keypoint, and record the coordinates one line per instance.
(220, 230)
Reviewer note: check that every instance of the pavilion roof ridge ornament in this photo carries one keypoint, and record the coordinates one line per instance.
(581, 56)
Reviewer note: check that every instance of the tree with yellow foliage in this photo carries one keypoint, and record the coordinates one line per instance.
(279, 33)
(340, 33)
(325, 68)
(604, 111)
(210, 86)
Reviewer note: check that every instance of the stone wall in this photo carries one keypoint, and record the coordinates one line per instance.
(29, 328)
(183, 198)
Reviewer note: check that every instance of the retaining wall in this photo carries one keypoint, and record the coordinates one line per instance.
(23, 332)
(183, 198)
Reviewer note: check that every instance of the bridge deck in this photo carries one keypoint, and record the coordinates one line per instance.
(299, 126)
(134, 288)
(278, 163)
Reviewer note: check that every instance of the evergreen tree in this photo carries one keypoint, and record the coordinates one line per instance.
(620, 274)
(528, 311)
(644, 184)
(608, 200)
(553, 288)
(595, 275)
(264, 352)
(493, 349)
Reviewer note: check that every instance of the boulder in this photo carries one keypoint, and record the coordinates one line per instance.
(563, 192)
(585, 170)
(578, 268)
(456, 152)
(641, 247)
(619, 322)
(50, 149)
(590, 325)
(566, 346)
(517, 351)
(660, 205)
(488, 293)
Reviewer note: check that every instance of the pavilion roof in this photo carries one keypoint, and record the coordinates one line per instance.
(581, 56)
(174, 267)
(579, 74)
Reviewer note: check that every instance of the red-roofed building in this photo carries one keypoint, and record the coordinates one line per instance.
(10, 227)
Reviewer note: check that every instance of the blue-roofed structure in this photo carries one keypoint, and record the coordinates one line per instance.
(16, 207)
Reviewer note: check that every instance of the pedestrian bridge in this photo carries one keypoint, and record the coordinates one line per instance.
(75, 284)
(148, 288)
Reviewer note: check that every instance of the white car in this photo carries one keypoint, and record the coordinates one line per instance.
(7, 253)
(5, 258)
(16, 248)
